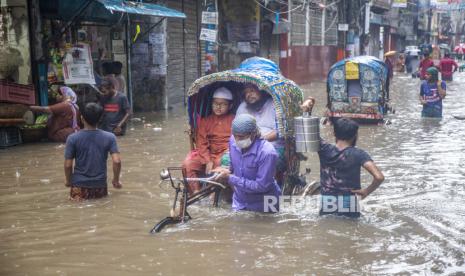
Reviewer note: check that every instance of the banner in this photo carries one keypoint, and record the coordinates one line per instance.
(448, 5)
(439, 3)
(77, 65)
(399, 3)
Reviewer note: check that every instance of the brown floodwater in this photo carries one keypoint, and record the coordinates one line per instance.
(413, 224)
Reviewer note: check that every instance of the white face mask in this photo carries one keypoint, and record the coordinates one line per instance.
(242, 144)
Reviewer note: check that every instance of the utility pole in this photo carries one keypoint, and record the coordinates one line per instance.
(430, 15)
(345, 18)
(367, 18)
(284, 44)
(323, 23)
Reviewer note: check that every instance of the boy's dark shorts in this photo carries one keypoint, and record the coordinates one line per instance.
(82, 193)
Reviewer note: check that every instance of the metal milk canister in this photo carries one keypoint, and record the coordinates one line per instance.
(307, 133)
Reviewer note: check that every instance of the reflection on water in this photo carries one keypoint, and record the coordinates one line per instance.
(413, 224)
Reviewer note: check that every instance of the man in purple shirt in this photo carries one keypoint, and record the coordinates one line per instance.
(252, 168)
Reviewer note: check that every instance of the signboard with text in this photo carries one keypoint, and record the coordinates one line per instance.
(399, 3)
(210, 18)
(208, 35)
(77, 65)
(343, 27)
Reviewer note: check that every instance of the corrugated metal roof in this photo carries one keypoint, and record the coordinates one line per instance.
(141, 8)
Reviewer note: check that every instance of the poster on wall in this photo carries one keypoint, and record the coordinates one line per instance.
(156, 38)
(117, 46)
(208, 35)
(77, 65)
(157, 41)
(343, 27)
(209, 18)
(399, 3)
(242, 19)
(159, 47)
(158, 71)
(244, 47)
(120, 57)
(158, 58)
(140, 48)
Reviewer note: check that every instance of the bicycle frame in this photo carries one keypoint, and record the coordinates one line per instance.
(180, 186)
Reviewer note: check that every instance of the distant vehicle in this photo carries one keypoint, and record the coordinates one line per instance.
(413, 50)
(356, 89)
(426, 48)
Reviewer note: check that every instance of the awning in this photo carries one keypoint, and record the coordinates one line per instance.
(141, 8)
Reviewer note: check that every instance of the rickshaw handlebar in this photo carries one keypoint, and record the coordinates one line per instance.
(203, 180)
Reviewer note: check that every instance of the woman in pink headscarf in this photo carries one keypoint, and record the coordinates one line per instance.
(65, 116)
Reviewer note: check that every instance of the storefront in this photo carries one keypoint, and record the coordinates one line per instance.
(16, 82)
(131, 34)
(15, 54)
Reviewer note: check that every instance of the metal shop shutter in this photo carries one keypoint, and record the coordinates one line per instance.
(182, 51)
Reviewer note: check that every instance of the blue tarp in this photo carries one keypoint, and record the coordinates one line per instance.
(105, 11)
(66, 10)
(370, 61)
(259, 63)
(141, 8)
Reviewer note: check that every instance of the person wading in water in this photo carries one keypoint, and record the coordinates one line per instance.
(340, 166)
(432, 92)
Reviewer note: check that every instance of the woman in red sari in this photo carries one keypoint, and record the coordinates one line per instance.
(64, 115)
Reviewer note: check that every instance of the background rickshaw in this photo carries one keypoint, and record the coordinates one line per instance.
(356, 89)
(287, 97)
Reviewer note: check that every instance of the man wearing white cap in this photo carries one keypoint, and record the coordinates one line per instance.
(211, 138)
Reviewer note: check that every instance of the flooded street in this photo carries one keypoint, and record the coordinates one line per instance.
(413, 224)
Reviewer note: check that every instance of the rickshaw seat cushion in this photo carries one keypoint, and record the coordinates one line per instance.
(225, 160)
(344, 107)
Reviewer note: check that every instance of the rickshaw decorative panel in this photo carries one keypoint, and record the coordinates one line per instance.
(370, 108)
(370, 82)
(340, 106)
(338, 85)
(356, 88)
